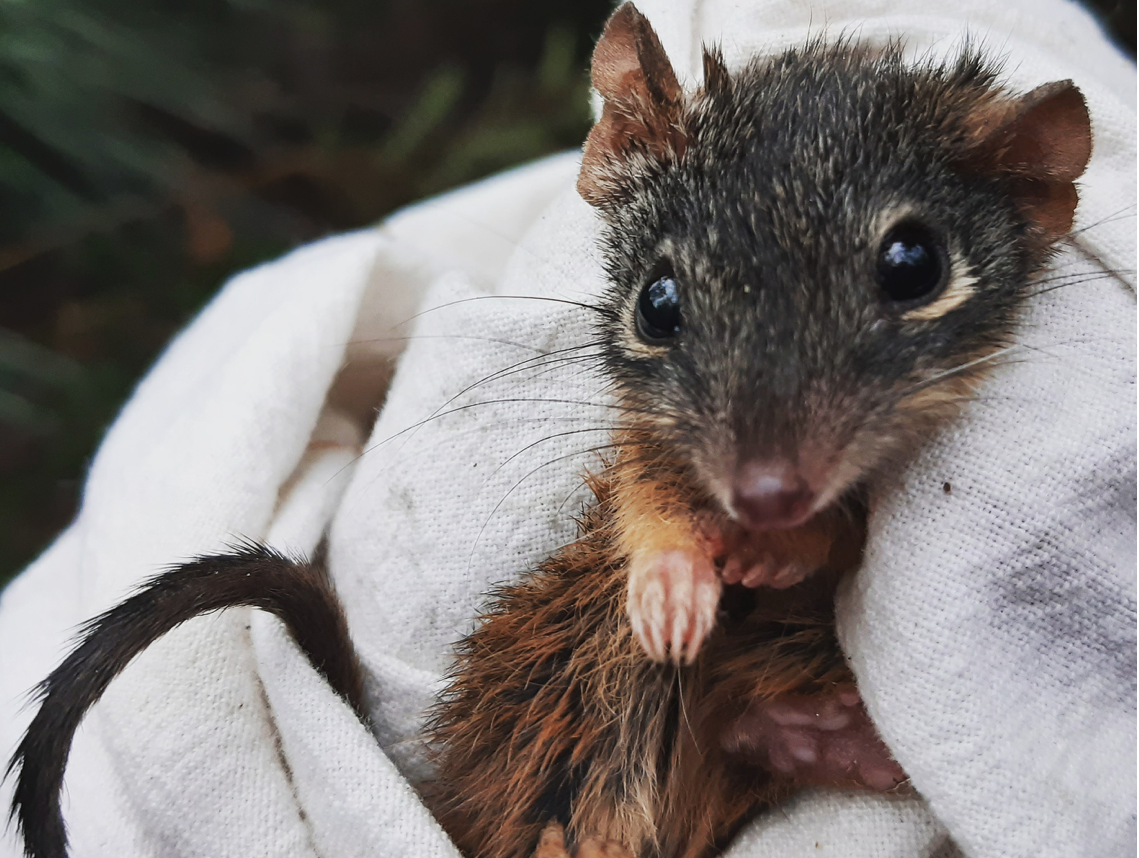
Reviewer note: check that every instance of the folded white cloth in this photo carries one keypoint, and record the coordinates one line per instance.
(992, 629)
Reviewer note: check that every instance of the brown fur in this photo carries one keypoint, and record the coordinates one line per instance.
(555, 714)
(556, 726)
(1043, 141)
(641, 114)
(657, 505)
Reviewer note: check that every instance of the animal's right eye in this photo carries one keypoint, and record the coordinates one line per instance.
(911, 263)
(658, 311)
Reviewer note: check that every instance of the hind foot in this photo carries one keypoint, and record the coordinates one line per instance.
(552, 844)
(819, 738)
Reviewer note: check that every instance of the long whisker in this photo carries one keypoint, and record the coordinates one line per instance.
(1068, 365)
(524, 364)
(587, 364)
(1063, 281)
(449, 440)
(1122, 214)
(536, 364)
(512, 421)
(516, 399)
(473, 338)
(960, 368)
(591, 307)
(518, 246)
(538, 360)
(552, 438)
(554, 360)
(610, 446)
(543, 440)
(506, 371)
(1000, 353)
(1073, 275)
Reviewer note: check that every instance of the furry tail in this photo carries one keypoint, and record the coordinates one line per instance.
(300, 594)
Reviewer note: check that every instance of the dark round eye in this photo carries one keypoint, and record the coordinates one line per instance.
(658, 311)
(910, 263)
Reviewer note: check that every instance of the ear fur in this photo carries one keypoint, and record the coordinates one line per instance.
(1042, 142)
(641, 110)
(716, 77)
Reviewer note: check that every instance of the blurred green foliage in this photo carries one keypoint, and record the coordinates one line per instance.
(149, 149)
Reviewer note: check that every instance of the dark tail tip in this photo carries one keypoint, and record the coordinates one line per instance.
(301, 594)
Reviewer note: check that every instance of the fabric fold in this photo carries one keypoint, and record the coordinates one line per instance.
(991, 628)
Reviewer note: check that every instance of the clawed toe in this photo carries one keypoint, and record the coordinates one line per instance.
(552, 844)
(595, 847)
(770, 573)
(672, 602)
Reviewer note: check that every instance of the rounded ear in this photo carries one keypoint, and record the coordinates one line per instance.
(1042, 142)
(641, 106)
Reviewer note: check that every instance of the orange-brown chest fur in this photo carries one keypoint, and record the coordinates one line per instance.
(555, 713)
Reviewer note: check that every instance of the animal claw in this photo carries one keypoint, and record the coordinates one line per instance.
(552, 844)
(672, 602)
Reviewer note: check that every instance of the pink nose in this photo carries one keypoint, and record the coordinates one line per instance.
(770, 494)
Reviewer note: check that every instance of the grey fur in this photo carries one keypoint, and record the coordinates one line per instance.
(771, 220)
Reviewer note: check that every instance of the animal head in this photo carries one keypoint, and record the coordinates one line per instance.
(813, 258)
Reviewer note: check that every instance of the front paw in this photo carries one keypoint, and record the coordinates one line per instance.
(672, 601)
(764, 570)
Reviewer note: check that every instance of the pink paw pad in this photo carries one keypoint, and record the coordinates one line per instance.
(821, 739)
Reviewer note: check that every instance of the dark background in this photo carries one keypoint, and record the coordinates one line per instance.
(148, 150)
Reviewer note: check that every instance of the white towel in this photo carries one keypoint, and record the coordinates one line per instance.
(991, 629)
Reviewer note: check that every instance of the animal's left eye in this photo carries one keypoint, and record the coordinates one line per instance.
(911, 263)
(658, 311)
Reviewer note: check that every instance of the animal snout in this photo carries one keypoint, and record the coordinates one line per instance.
(770, 494)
